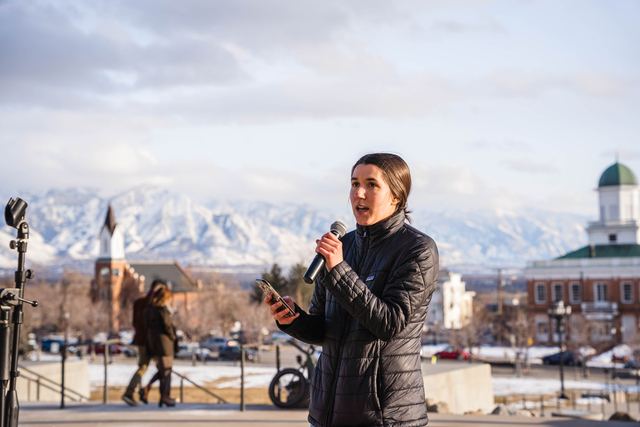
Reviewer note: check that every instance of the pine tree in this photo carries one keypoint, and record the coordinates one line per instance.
(297, 288)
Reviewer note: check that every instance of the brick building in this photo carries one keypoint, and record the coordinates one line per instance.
(601, 281)
(118, 282)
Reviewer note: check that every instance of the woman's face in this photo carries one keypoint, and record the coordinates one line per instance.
(371, 197)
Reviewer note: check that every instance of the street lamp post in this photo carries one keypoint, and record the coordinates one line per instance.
(559, 312)
(613, 365)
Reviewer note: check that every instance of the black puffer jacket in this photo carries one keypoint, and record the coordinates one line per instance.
(367, 314)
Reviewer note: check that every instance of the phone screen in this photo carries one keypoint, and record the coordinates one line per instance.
(267, 289)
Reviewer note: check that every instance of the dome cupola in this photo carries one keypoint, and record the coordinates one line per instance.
(616, 175)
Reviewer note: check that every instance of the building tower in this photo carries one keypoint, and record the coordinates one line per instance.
(110, 268)
(601, 281)
(619, 211)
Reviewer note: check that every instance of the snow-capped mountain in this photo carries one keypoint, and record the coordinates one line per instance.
(161, 225)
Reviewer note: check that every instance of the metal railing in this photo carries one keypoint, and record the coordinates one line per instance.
(64, 391)
(599, 307)
(614, 393)
(243, 353)
(182, 380)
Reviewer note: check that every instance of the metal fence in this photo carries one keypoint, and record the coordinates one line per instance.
(590, 400)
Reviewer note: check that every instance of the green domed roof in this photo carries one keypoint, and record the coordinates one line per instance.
(617, 174)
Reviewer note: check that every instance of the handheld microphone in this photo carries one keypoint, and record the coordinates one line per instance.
(339, 229)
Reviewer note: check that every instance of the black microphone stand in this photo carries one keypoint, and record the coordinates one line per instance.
(14, 216)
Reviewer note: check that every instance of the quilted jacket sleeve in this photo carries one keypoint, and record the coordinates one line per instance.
(309, 327)
(408, 288)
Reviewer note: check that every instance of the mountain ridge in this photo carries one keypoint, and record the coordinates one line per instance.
(159, 225)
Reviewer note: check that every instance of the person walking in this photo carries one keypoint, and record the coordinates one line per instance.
(140, 341)
(368, 307)
(161, 341)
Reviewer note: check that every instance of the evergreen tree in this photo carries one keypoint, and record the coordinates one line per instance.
(297, 288)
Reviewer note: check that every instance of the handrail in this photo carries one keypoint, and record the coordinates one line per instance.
(42, 377)
(220, 399)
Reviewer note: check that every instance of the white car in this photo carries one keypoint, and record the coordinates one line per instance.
(187, 350)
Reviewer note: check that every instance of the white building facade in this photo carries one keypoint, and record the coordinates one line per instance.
(451, 305)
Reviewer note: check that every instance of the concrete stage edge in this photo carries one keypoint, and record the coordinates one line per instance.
(200, 415)
(463, 386)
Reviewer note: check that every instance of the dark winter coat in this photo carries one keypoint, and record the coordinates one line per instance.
(161, 335)
(368, 313)
(140, 338)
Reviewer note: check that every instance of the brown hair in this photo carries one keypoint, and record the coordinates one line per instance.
(396, 174)
(161, 296)
(155, 285)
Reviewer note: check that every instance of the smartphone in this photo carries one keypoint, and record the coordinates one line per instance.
(267, 289)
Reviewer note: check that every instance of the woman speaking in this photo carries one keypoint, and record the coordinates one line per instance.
(368, 307)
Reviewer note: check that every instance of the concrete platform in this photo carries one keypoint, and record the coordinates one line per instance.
(76, 378)
(200, 415)
(465, 387)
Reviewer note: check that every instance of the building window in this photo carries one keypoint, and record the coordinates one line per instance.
(627, 292)
(576, 293)
(542, 328)
(541, 293)
(557, 292)
(614, 213)
(601, 293)
(601, 331)
(612, 238)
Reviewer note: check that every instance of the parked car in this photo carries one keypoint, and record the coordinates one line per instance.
(113, 349)
(51, 345)
(278, 337)
(570, 359)
(215, 344)
(188, 349)
(632, 364)
(453, 353)
(232, 352)
(54, 345)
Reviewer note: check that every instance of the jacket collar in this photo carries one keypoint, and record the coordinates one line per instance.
(381, 230)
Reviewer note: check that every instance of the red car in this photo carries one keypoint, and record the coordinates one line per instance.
(113, 349)
(452, 353)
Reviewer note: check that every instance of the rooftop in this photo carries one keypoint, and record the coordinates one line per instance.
(604, 251)
(169, 271)
(616, 175)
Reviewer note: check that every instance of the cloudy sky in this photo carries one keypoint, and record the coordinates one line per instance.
(494, 104)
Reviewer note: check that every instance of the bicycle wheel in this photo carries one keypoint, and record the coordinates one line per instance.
(289, 389)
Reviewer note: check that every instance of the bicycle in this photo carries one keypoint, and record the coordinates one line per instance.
(290, 387)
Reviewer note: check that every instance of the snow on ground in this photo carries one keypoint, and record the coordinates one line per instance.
(535, 353)
(45, 357)
(537, 386)
(605, 360)
(120, 375)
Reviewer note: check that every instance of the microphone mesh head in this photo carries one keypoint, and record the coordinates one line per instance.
(339, 228)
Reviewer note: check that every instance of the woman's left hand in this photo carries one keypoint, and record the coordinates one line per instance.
(330, 247)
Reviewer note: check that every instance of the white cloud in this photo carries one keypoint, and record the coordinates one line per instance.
(457, 186)
(528, 166)
(90, 91)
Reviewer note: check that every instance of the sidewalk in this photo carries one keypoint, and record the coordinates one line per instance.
(200, 415)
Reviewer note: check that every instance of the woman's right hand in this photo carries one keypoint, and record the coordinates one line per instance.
(279, 313)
